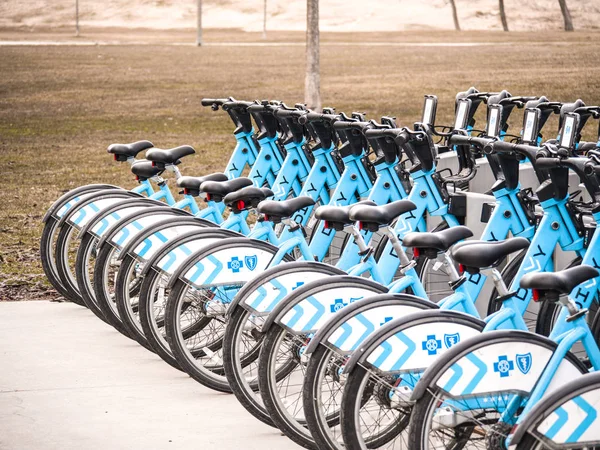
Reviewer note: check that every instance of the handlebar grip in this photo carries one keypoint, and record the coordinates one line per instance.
(461, 139)
(214, 101)
(381, 132)
(317, 117)
(547, 163)
(344, 125)
(282, 112)
(586, 146)
(498, 146)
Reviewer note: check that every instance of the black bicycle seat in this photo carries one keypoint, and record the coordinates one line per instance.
(191, 185)
(124, 151)
(562, 282)
(476, 255)
(144, 169)
(372, 217)
(337, 217)
(246, 198)
(430, 244)
(170, 156)
(217, 190)
(274, 210)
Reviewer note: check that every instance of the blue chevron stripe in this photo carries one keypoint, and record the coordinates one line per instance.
(368, 325)
(262, 293)
(298, 312)
(387, 351)
(105, 223)
(345, 335)
(147, 244)
(563, 417)
(282, 293)
(317, 316)
(410, 349)
(215, 273)
(592, 414)
(458, 372)
(478, 376)
(198, 269)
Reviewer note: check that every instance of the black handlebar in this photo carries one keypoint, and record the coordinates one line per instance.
(214, 103)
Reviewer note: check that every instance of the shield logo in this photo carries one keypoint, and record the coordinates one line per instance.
(451, 339)
(524, 363)
(251, 262)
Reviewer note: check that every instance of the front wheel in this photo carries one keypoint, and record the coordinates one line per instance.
(195, 337)
(281, 371)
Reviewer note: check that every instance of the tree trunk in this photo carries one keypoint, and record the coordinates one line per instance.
(264, 34)
(312, 83)
(455, 15)
(199, 24)
(503, 15)
(566, 15)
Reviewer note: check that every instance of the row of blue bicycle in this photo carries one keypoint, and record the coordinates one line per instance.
(326, 277)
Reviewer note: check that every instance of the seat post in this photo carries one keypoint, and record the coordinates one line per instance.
(173, 168)
(397, 246)
(445, 260)
(498, 281)
(358, 238)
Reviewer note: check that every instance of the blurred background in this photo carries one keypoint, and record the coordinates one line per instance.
(135, 72)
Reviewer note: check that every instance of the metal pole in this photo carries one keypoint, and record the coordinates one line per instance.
(264, 35)
(199, 29)
(76, 17)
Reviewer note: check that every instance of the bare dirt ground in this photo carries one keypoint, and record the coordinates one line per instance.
(61, 106)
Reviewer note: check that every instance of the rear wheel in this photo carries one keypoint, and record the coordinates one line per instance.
(195, 337)
(152, 304)
(240, 359)
(105, 275)
(84, 271)
(127, 298)
(281, 374)
(47, 246)
(368, 420)
(66, 251)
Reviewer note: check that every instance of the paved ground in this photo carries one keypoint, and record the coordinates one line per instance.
(68, 381)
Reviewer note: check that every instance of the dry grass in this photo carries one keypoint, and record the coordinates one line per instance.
(61, 106)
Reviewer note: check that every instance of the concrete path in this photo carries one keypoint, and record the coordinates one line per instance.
(69, 381)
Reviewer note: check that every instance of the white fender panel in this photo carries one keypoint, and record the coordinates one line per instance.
(268, 295)
(173, 260)
(502, 367)
(149, 246)
(130, 230)
(576, 421)
(85, 214)
(312, 312)
(229, 266)
(416, 347)
(349, 335)
(102, 225)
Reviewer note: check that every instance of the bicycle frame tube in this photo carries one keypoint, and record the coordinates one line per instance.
(556, 227)
(296, 240)
(508, 216)
(213, 212)
(244, 154)
(163, 193)
(236, 222)
(267, 164)
(188, 202)
(264, 231)
(426, 196)
(353, 183)
(144, 188)
(294, 169)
